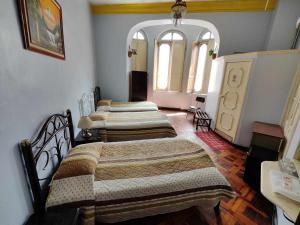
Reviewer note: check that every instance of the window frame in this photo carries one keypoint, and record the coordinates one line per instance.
(198, 44)
(170, 43)
(170, 60)
(160, 37)
(142, 33)
(211, 36)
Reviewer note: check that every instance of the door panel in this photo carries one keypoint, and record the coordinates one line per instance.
(232, 97)
(139, 61)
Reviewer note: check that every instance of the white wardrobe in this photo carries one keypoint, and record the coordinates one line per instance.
(249, 87)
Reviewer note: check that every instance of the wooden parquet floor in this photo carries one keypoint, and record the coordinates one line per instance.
(248, 208)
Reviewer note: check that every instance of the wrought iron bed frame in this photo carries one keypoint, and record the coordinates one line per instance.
(56, 124)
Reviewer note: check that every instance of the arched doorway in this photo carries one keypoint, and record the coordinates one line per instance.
(203, 25)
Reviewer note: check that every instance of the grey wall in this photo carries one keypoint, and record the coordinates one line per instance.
(241, 32)
(31, 87)
(283, 25)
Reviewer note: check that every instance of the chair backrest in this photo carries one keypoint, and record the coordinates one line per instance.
(200, 99)
(43, 154)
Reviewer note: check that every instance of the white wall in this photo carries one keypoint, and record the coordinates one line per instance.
(32, 86)
(175, 100)
(242, 32)
(283, 25)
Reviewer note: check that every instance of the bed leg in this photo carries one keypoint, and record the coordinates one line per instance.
(217, 208)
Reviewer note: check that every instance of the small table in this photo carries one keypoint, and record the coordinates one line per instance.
(290, 207)
(266, 144)
(79, 140)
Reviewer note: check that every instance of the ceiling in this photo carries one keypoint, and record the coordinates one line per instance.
(111, 2)
(163, 6)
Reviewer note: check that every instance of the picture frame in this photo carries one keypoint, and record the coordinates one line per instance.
(42, 26)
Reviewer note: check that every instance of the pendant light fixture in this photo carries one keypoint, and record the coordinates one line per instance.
(178, 11)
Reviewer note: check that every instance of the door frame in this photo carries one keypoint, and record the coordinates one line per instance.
(252, 64)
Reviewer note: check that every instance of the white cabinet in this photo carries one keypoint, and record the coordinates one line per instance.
(249, 87)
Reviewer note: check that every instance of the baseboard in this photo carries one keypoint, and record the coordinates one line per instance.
(171, 108)
(243, 148)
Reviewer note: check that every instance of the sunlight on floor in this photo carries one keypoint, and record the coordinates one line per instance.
(176, 114)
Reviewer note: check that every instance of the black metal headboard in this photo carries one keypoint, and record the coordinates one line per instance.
(43, 154)
(97, 96)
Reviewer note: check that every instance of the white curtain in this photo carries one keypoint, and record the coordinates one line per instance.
(175, 67)
(194, 64)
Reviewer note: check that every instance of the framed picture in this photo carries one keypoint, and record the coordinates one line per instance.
(43, 27)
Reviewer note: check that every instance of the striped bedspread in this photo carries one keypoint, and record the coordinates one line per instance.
(158, 176)
(135, 179)
(126, 126)
(129, 107)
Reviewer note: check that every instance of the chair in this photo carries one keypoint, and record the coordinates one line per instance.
(202, 119)
(200, 116)
(193, 109)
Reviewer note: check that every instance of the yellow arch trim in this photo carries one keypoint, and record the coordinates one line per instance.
(193, 7)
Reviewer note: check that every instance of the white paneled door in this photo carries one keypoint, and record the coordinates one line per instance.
(232, 98)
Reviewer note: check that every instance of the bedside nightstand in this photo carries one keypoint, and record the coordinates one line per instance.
(79, 140)
(266, 145)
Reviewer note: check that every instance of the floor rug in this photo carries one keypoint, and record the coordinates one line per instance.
(214, 141)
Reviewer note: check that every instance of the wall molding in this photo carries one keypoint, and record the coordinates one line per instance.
(193, 7)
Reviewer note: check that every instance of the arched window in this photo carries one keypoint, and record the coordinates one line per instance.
(171, 36)
(200, 68)
(201, 61)
(139, 35)
(207, 35)
(139, 45)
(169, 61)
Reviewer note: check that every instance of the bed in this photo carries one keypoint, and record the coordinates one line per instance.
(128, 180)
(119, 181)
(126, 126)
(112, 106)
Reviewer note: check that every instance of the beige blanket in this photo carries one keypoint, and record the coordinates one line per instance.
(129, 107)
(138, 178)
(125, 126)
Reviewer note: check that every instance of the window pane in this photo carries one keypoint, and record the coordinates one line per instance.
(163, 66)
(135, 35)
(140, 36)
(206, 36)
(167, 37)
(200, 68)
(177, 36)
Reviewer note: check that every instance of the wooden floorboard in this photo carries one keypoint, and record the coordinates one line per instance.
(248, 208)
